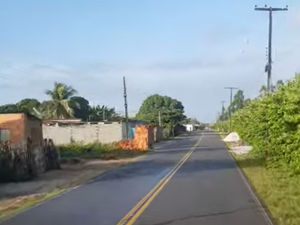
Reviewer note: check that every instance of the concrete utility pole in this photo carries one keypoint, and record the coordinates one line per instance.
(229, 108)
(268, 68)
(126, 108)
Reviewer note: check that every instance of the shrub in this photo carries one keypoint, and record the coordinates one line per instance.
(271, 124)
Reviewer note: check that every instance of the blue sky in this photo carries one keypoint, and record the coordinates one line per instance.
(188, 50)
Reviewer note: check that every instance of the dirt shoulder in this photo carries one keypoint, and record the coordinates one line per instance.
(15, 197)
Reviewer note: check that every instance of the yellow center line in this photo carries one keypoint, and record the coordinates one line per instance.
(140, 207)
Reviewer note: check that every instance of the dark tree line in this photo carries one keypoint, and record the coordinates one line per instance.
(63, 103)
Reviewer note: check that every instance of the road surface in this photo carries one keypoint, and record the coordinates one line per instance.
(189, 181)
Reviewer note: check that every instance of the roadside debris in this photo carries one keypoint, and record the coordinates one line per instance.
(236, 145)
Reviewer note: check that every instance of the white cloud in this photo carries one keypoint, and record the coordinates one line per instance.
(199, 84)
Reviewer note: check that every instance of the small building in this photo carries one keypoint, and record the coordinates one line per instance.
(21, 147)
(189, 127)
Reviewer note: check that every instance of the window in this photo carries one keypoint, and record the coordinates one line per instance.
(4, 134)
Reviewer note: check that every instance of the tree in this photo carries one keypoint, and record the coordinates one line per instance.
(192, 121)
(10, 108)
(224, 114)
(28, 105)
(61, 106)
(279, 84)
(263, 91)
(171, 111)
(83, 111)
(238, 101)
(101, 113)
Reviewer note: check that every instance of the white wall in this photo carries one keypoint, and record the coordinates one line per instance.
(87, 133)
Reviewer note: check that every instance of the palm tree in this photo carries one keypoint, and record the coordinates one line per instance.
(61, 105)
(101, 113)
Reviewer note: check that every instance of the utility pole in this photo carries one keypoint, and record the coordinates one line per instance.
(126, 108)
(159, 118)
(222, 115)
(268, 68)
(103, 114)
(229, 108)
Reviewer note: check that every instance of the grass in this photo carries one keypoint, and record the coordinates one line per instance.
(277, 188)
(76, 151)
(28, 202)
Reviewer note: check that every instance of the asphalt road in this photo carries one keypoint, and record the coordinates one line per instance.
(207, 189)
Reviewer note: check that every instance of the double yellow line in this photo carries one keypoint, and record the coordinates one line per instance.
(140, 207)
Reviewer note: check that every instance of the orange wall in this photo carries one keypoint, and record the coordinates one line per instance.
(15, 123)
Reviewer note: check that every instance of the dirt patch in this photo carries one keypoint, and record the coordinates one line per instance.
(15, 197)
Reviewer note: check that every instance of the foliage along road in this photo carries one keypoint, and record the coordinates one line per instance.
(192, 180)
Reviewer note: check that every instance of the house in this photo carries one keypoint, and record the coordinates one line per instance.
(21, 149)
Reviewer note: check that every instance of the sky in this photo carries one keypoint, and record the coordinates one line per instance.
(189, 50)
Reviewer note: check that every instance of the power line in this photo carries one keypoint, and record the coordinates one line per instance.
(268, 68)
(229, 108)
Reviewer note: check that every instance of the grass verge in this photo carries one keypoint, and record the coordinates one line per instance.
(27, 202)
(277, 188)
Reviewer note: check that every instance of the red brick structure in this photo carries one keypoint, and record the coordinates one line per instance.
(21, 138)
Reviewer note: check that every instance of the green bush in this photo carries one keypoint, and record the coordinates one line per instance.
(222, 126)
(271, 124)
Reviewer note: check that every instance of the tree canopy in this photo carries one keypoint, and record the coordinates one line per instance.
(28, 104)
(10, 108)
(171, 111)
(83, 107)
(62, 104)
(238, 102)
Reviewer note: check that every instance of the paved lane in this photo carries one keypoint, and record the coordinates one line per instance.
(105, 200)
(208, 189)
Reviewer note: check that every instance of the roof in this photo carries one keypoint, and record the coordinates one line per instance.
(28, 115)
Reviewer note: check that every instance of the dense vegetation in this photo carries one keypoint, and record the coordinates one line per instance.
(271, 124)
(64, 103)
